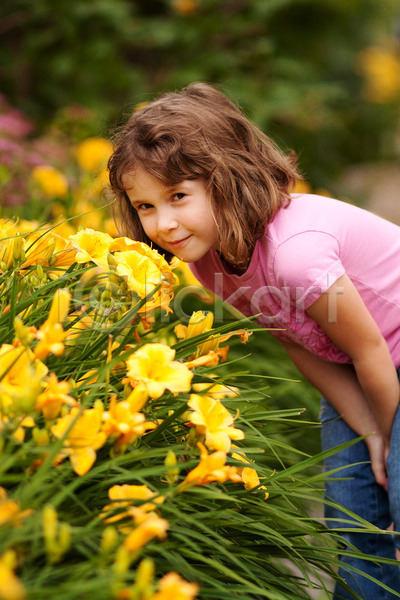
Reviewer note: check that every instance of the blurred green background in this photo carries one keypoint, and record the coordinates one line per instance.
(320, 76)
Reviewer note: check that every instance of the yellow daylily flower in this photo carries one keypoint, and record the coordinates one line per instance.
(249, 475)
(173, 587)
(137, 398)
(121, 422)
(143, 269)
(211, 468)
(51, 182)
(64, 253)
(10, 511)
(141, 273)
(152, 526)
(92, 154)
(91, 246)
(39, 247)
(51, 340)
(21, 374)
(83, 439)
(211, 359)
(12, 250)
(8, 228)
(51, 334)
(199, 323)
(123, 244)
(213, 420)
(154, 366)
(53, 397)
(11, 587)
(216, 390)
(124, 496)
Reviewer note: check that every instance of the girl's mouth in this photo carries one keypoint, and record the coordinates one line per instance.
(179, 243)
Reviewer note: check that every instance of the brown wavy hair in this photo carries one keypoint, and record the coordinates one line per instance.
(198, 132)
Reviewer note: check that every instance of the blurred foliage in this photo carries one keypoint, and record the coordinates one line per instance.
(295, 66)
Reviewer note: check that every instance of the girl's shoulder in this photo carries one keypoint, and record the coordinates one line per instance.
(311, 212)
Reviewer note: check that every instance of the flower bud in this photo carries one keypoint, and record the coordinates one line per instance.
(122, 561)
(172, 472)
(41, 436)
(143, 587)
(198, 323)
(210, 345)
(22, 333)
(109, 539)
(18, 248)
(49, 523)
(59, 306)
(111, 260)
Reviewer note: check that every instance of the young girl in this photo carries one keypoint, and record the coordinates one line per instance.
(195, 179)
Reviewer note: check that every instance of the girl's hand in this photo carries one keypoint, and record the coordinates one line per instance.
(378, 450)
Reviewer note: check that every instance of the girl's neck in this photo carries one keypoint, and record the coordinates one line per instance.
(231, 268)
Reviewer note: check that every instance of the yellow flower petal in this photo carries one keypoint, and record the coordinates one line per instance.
(153, 365)
(91, 246)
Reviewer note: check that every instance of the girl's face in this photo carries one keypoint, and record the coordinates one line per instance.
(179, 218)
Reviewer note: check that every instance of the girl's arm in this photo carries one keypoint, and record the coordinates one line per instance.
(342, 314)
(339, 385)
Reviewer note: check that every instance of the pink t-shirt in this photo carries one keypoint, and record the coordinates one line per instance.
(306, 248)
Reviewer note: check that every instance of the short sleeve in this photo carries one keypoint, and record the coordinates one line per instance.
(307, 263)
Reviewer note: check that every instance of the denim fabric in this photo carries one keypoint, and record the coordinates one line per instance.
(361, 494)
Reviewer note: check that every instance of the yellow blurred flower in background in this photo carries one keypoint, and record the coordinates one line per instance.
(381, 70)
(10, 510)
(173, 587)
(11, 587)
(184, 7)
(53, 397)
(93, 153)
(51, 182)
(152, 526)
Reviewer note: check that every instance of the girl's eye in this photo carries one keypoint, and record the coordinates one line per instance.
(144, 206)
(178, 196)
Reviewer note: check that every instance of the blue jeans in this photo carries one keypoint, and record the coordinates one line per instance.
(360, 493)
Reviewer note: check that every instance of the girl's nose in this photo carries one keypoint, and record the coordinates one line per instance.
(167, 221)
